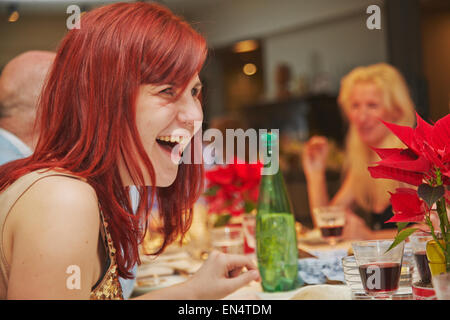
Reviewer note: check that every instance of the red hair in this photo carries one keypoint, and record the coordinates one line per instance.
(87, 116)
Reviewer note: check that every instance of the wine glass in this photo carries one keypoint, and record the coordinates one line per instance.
(422, 287)
(419, 245)
(379, 268)
(228, 239)
(249, 228)
(331, 221)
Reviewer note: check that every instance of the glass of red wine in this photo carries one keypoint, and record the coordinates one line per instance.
(379, 268)
(419, 246)
(422, 286)
(330, 220)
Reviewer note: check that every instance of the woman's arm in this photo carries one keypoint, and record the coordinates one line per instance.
(55, 230)
(314, 158)
(344, 197)
(314, 165)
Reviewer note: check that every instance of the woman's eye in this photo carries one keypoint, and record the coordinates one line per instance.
(195, 92)
(168, 91)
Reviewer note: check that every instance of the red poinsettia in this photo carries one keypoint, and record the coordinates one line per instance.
(233, 189)
(425, 163)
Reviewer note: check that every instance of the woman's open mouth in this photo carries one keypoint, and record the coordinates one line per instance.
(168, 143)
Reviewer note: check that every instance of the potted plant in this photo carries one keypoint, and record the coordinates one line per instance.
(424, 164)
(232, 191)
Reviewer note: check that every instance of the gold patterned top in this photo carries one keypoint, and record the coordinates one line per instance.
(108, 288)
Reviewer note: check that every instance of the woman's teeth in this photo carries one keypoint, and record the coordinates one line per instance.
(178, 139)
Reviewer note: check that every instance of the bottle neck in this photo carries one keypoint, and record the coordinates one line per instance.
(270, 158)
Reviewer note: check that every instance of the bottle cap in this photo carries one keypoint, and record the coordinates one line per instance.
(269, 138)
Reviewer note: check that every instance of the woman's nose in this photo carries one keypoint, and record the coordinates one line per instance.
(362, 115)
(190, 110)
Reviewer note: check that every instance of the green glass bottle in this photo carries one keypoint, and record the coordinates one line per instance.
(276, 239)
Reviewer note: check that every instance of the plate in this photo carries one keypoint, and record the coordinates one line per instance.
(153, 270)
(147, 285)
(286, 295)
(312, 292)
(312, 237)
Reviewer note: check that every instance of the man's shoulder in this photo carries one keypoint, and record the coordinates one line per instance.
(8, 151)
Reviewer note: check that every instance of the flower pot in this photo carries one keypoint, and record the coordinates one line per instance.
(436, 258)
(423, 291)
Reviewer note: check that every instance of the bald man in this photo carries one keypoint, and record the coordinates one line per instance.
(20, 85)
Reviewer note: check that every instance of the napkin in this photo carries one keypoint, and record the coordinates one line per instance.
(327, 267)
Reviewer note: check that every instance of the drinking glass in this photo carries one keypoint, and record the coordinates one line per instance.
(353, 279)
(249, 228)
(441, 284)
(379, 268)
(331, 221)
(228, 239)
(419, 246)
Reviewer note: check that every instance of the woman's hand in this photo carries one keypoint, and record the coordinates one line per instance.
(222, 274)
(315, 155)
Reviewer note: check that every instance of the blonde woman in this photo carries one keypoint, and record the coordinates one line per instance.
(367, 95)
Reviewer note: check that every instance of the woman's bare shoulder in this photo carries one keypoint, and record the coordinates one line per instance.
(60, 196)
(55, 224)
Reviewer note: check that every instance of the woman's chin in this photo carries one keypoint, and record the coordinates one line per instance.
(166, 179)
(374, 142)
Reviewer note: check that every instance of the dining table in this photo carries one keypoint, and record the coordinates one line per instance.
(179, 262)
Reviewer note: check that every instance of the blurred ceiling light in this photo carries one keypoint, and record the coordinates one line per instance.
(13, 17)
(245, 46)
(249, 69)
(13, 13)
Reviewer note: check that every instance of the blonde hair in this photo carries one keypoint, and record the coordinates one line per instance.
(371, 193)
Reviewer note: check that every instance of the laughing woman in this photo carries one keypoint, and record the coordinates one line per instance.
(367, 95)
(120, 89)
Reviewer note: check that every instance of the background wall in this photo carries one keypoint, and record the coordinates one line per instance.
(30, 32)
(334, 47)
(227, 21)
(311, 36)
(436, 60)
(325, 36)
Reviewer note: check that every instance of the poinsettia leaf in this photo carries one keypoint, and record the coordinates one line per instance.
(441, 134)
(384, 172)
(407, 218)
(249, 206)
(211, 192)
(424, 130)
(430, 194)
(222, 220)
(406, 162)
(401, 236)
(406, 204)
(401, 226)
(404, 133)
